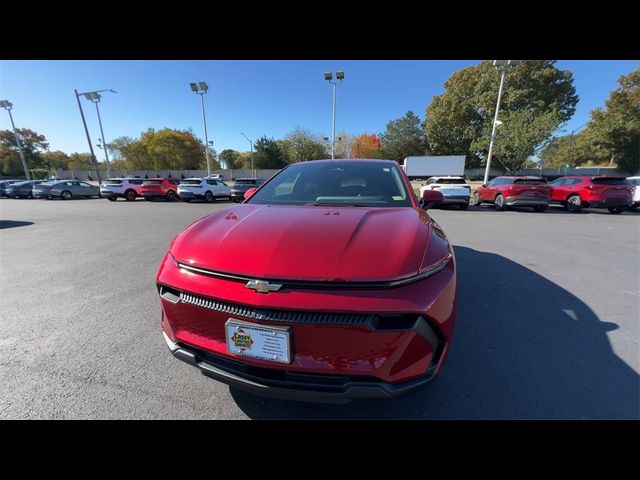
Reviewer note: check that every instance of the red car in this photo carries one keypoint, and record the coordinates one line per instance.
(155, 188)
(330, 282)
(505, 192)
(579, 191)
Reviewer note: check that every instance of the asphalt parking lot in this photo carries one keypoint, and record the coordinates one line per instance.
(547, 320)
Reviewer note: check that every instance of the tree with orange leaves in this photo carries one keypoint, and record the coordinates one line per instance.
(366, 146)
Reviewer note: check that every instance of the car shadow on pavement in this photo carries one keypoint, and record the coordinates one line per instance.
(523, 348)
(13, 224)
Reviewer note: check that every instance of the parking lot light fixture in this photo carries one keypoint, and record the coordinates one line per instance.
(328, 76)
(201, 89)
(95, 98)
(253, 172)
(7, 105)
(502, 65)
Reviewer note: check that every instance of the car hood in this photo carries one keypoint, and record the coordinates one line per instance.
(307, 243)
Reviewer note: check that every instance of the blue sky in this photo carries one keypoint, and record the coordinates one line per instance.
(255, 97)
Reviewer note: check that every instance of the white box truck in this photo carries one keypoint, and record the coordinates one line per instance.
(434, 166)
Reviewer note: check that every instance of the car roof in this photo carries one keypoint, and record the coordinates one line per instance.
(247, 178)
(193, 178)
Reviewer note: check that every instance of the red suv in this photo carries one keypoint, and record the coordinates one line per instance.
(160, 188)
(330, 281)
(505, 192)
(578, 191)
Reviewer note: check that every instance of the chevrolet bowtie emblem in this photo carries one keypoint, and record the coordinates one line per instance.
(261, 286)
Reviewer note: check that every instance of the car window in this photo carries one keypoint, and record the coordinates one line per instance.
(451, 181)
(349, 183)
(610, 181)
(190, 182)
(558, 182)
(83, 184)
(529, 181)
(174, 182)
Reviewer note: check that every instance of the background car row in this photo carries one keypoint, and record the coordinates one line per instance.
(573, 192)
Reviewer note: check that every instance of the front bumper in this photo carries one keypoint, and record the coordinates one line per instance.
(291, 385)
(526, 202)
(345, 345)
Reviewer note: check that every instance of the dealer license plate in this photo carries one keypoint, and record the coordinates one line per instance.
(258, 341)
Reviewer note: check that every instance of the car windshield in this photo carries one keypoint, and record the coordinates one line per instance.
(190, 182)
(338, 183)
(610, 181)
(529, 181)
(245, 181)
(450, 181)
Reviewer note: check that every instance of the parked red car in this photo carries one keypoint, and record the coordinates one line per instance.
(330, 282)
(154, 188)
(579, 191)
(505, 192)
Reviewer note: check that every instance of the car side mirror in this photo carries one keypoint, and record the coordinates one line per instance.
(249, 193)
(431, 198)
(484, 185)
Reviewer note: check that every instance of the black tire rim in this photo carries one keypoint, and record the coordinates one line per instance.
(208, 196)
(131, 195)
(170, 195)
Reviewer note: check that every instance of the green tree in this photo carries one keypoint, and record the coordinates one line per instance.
(231, 158)
(56, 159)
(33, 145)
(267, 154)
(616, 128)
(403, 137)
(166, 149)
(579, 151)
(118, 146)
(301, 145)
(536, 93)
(79, 161)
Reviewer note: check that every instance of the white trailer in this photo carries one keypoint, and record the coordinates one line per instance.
(434, 166)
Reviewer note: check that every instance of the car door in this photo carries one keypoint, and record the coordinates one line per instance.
(558, 190)
(225, 191)
(87, 190)
(488, 192)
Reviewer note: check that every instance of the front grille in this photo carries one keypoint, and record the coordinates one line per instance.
(277, 315)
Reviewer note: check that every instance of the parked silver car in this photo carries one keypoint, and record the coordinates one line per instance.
(65, 189)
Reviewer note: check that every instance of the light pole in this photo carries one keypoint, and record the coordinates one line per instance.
(7, 105)
(253, 172)
(328, 76)
(502, 65)
(86, 130)
(571, 141)
(95, 98)
(201, 88)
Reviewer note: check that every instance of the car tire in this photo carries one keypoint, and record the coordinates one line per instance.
(475, 200)
(171, 196)
(186, 200)
(464, 206)
(149, 199)
(634, 206)
(130, 195)
(573, 204)
(66, 195)
(229, 198)
(499, 203)
(209, 197)
(540, 208)
(616, 210)
(112, 199)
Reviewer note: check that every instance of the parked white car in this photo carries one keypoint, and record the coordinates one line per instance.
(207, 189)
(455, 190)
(635, 181)
(127, 188)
